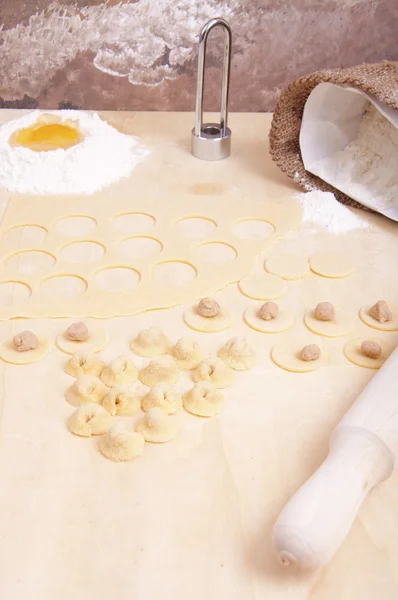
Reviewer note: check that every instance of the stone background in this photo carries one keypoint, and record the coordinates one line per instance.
(141, 54)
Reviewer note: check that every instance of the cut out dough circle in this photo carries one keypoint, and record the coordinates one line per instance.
(97, 340)
(336, 328)
(207, 324)
(334, 265)
(352, 351)
(287, 266)
(263, 286)
(283, 322)
(10, 354)
(286, 355)
(375, 324)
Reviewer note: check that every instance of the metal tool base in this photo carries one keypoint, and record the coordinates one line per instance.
(212, 143)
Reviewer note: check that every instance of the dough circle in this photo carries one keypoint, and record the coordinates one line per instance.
(207, 324)
(352, 351)
(287, 356)
(10, 354)
(283, 322)
(371, 322)
(336, 328)
(287, 266)
(97, 340)
(334, 265)
(263, 286)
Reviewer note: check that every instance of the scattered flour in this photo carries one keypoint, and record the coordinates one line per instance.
(103, 157)
(322, 208)
(367, 168)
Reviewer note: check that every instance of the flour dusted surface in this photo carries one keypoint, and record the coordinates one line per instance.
(367, 168)
(322, 208)
(103, 157)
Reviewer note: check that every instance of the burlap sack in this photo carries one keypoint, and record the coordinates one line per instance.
(380, 79)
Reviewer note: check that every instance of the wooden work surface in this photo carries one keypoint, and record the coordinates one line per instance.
(193, 518)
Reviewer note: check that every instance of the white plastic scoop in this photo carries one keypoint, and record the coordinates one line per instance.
(363, 448)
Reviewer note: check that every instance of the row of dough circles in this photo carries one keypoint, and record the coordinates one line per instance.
(103, 391)
(333, 265)
(132, 224)
(206, 316)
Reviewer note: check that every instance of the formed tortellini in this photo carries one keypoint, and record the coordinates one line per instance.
(84, 363)
(86, 389)
(120, 371)
(150, 342)
(163, 396)
(161, 369)
(238, 355)
(119, 444)
(187, 353)
(215, 370)
(90, 419)
(204, 400)
(121, 401)
(157, 427)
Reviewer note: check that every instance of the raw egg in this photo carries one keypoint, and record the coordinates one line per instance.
(44, 136)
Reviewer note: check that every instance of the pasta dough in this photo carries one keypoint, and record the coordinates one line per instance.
(83, 363)
(120, 371)
(286, 355)
(162, 369)
(121, 445)
(10, 354)
(353, 352)
(186, 353)
(96, 341)
(157, 427)
(263, 286)
(332, 264)
(283, 321)
(237, 354)
(121, 401)
(339, 326)
(372, 322)
(86, 389)
(150, 342)
(287, 266)
(215, 371)
(195, 321)
(163, 396)
(203, 400)
(90, 419)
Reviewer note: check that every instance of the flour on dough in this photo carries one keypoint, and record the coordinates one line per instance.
(162, 369)
(163, 396)
(121, 401)
(87, 388)
(84, 363)
(237, 354)
(150, 342)
(157, 427)
(120, 371)
(90, 419)
(10, 354)
(204, 400)
(186, 353)
(214, 370)
(119, 444)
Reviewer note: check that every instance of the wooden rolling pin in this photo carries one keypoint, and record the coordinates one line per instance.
(362, 451)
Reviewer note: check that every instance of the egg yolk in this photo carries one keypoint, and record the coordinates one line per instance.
(46, 137)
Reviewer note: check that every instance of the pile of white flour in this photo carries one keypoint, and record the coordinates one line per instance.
(367, 168)
(322, 209)
(103, 157)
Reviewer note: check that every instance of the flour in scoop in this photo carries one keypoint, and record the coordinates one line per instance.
(322, 208)
(102, 157)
